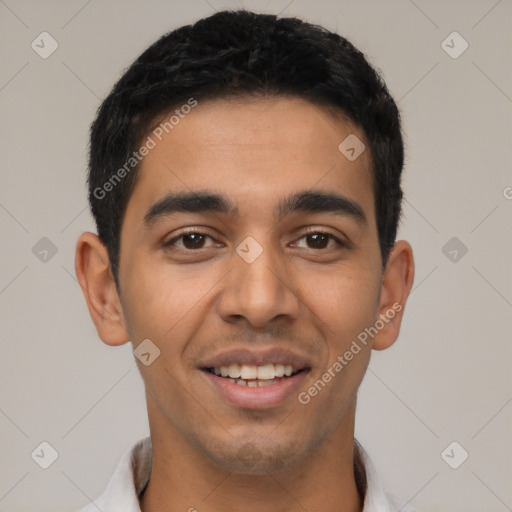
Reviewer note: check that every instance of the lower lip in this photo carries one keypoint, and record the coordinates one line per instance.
(259, 397)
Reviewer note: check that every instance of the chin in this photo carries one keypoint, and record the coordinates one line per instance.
(256, 458)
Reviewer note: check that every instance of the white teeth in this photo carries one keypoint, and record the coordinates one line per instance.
(253, 383)
(279, 369)
(251, 372)
(248, 372)
(233, 370)
(266, 372)
(263, 383)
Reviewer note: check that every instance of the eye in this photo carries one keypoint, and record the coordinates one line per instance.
(194, 240)
(316, 239)
(191, 240)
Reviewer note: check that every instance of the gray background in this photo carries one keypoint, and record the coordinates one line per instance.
(447, 378)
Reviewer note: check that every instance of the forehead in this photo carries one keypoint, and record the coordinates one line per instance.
(255, 152)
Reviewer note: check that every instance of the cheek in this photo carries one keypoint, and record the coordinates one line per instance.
(346, 302)
(157, 298)
(345, 308)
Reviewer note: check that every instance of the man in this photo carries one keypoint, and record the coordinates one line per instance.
(245, 181)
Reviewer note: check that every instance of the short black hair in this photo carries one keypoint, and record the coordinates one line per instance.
(241, 53)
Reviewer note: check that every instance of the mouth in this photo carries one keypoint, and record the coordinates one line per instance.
(253, 387)
(254, 376)
(255, 379)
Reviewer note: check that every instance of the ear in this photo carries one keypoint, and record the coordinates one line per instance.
(396, 286)
(92, 267)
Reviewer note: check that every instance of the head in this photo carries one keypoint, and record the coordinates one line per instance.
(235, 125)
(233, 54)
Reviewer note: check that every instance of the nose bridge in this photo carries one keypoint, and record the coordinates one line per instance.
(258, 287)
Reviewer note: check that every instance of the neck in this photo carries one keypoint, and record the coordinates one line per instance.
(183, 479)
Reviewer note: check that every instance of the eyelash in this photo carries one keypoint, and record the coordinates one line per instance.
(316, 231)
(310, 231)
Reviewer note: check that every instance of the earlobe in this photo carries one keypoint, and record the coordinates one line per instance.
(396, 286)
(92, 268)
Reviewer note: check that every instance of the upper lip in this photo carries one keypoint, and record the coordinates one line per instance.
(257, 358)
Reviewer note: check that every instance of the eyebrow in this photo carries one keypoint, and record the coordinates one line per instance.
(204, 201)
(321, 202)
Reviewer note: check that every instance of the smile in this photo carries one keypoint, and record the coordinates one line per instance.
(255, 387)
(254, 376)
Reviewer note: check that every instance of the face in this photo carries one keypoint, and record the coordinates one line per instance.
(250, 280)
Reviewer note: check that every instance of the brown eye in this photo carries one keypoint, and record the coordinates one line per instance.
(320, 240)
(191, 240)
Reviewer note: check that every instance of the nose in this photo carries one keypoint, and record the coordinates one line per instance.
(258, 291)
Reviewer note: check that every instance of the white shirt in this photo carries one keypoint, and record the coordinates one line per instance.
(133, 471)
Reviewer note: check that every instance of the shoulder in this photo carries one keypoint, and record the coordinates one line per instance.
(129, 479)
(375, 497)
